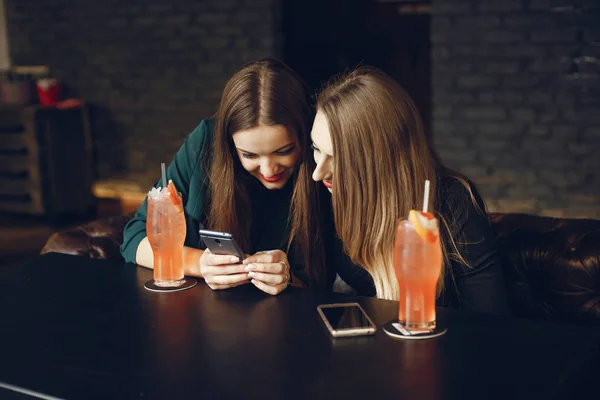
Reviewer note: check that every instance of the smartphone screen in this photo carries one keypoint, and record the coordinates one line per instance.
(346, 319)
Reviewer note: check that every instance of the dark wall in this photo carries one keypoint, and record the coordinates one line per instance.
(515, 83)
(153, 68)
(516, 98)
(324, 38)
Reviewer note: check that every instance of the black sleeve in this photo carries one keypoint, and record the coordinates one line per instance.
(480, 282)
(355, 276)
(339, 263)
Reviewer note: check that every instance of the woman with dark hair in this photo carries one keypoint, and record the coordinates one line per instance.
(374, 157)
(243, 173)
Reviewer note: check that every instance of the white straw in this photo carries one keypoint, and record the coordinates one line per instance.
(426, 196)
(164, 175)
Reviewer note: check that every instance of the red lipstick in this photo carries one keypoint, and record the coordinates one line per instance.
(273, 178)
(327, 184)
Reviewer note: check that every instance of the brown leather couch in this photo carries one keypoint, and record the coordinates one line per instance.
(552, 265)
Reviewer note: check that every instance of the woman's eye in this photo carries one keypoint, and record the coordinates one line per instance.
(248, 155)
(284, 152)
(315, 148)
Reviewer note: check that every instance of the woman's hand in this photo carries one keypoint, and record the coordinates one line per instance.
(269, 270)
(222, 272)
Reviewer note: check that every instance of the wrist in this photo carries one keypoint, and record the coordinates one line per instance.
(191, 261)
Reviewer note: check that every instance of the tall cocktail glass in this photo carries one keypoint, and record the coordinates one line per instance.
(418, 264)
(166, 230)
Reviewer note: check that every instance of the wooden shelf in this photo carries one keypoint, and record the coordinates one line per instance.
(45, 160)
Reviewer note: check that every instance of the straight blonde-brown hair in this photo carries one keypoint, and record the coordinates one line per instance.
(382, 158)
(264, 92)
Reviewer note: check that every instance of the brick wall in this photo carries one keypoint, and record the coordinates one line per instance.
(516, 97)
(152, 68)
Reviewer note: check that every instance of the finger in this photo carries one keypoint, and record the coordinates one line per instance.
(261, 258)
(215, 286)
(216, 259)
(208, 270)
(266, 256)
(271, 279)
(270, 268)
(270, 289)
(227, 279)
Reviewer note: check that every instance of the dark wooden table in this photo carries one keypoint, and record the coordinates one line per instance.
(77, 328)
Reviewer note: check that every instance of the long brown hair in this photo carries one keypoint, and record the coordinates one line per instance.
(382, 158)
(262, 92)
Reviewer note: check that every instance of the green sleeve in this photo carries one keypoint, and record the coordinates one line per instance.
(181, 171)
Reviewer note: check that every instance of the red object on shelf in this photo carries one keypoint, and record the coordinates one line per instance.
(48, 91)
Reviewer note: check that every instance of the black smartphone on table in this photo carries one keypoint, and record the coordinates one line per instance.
(221, 243)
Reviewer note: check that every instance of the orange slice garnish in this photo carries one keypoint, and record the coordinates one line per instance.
(425, 225)
(173, 194)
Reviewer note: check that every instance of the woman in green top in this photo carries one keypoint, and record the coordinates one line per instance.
(243, 173)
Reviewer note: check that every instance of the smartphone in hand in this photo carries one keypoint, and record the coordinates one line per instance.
(221, 243)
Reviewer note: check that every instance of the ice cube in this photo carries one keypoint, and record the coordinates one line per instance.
(157, 193)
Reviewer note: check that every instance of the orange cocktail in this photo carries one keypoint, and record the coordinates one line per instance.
(166, 229)
(418, 264)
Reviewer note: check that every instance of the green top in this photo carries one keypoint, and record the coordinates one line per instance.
(188, 170)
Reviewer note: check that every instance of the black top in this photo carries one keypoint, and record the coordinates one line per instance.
(479, 286)
(80, 328)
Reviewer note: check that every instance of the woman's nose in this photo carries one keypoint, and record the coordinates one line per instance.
(320, 173)
(268, 167)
